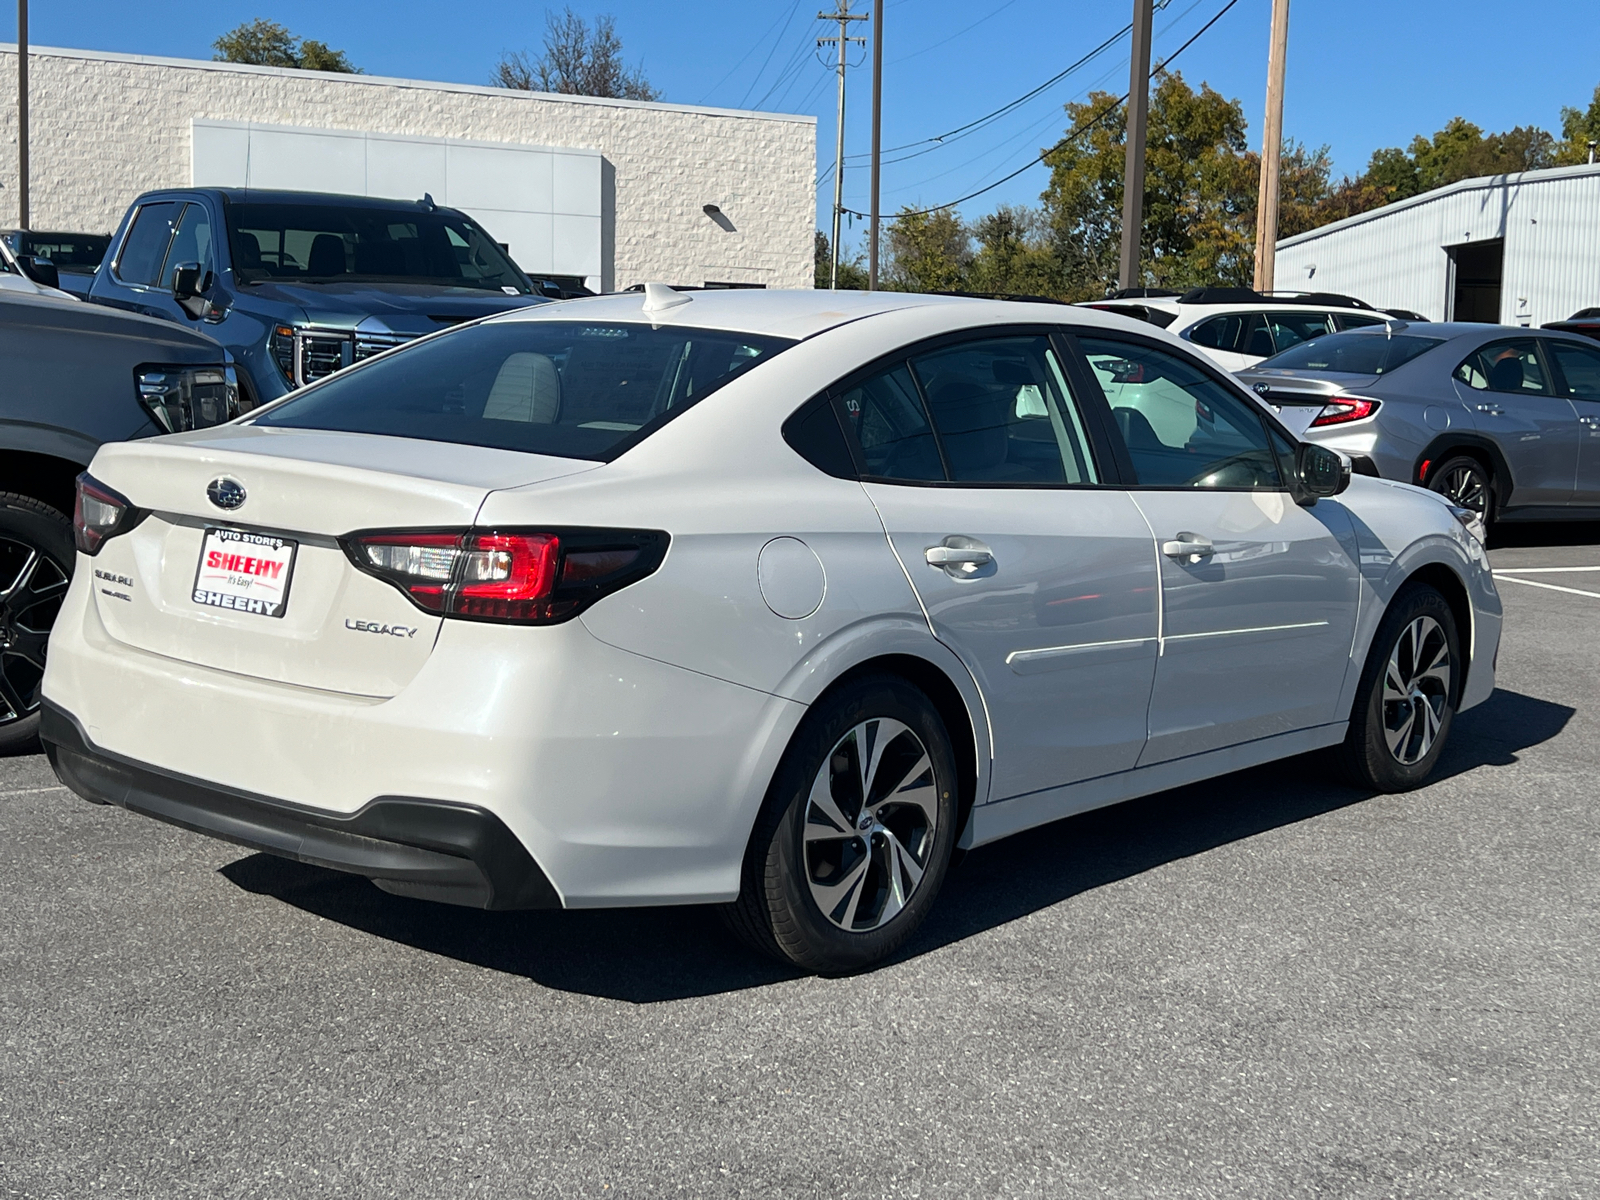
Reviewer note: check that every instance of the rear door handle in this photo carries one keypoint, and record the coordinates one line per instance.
(1189, 547)
(959, 556)
(1494, 410)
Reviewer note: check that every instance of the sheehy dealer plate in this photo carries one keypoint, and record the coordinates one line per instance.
(247, 572)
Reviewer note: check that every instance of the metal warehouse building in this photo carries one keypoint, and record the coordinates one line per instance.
(614, 191)
(1514, 249)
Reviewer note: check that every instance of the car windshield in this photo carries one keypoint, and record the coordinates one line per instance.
(567, 388)
(75, 253)
(1354, 353)
(336, 243)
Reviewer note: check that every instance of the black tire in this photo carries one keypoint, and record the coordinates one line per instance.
(36, 559)
(779, 911)
(1369, 755)
(1464, 480)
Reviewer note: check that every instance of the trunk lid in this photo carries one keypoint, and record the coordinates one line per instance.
(1297, 397)
(278, 598)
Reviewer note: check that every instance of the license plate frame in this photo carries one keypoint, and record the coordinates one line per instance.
(228, 572)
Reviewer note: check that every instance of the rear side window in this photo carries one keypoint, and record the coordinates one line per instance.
(1354, 353)
(1292, 328)
(1509, 366)
(1354, 321)
(145, 248)
(567, 388)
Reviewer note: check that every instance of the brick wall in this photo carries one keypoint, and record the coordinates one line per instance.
(106, 127)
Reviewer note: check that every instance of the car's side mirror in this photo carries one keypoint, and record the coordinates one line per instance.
(41, 270)
(1319, 472)
(187, 285)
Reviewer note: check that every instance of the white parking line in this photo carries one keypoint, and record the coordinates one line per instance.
(1552, 587)
(1542, 570)
(31, 791)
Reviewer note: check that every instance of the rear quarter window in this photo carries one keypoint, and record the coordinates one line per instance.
(568, 388)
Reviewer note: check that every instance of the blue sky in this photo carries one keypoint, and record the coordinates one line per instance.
(1362, 73)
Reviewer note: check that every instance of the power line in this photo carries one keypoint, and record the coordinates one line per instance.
(1071, 135)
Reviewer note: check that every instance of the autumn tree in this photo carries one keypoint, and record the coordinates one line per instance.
(578, 60)
(852, 275)
(928, 251)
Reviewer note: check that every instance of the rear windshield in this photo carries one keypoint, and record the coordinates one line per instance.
(339, 243)
(1354, 353)
(567, 388)
(75, 253)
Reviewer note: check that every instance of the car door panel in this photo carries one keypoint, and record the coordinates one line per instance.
(1505, 386)
(1060, 632)
(1577, 370)
(1259, 595)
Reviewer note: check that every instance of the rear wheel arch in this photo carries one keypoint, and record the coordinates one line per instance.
(1471, 446)
(43, 477)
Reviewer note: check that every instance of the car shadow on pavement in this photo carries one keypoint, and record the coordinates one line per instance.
(653, 954)
(1544, 533)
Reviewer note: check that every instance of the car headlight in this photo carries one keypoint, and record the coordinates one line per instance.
(180, 398)
(1472, 521)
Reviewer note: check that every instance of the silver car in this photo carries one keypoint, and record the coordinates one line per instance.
(1502, 421)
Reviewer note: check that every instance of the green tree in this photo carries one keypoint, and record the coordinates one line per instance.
(928, 252)
(264, 43)
(1013, 254)
(1579, 127)
(852, 275)
(578, 60)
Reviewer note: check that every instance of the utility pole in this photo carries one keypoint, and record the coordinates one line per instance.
(844, 18)
(1138, 121)
(1271, 145)
(22, 114)
(877, 139)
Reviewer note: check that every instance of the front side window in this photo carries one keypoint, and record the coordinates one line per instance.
(337, 243)
(1508, 366)
(145, 247)
(1182, 428)
(567, 388)
(1580, 368)
(191, 242)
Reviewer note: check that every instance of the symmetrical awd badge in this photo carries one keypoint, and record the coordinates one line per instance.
(225, 493)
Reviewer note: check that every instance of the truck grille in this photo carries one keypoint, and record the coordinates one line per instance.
(320, 355)
(368, 344)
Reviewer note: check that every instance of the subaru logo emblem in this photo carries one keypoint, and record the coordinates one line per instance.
(1261, 388)
(225, 493)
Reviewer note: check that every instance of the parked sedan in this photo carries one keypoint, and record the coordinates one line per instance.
(762, 599)
(1505, 422)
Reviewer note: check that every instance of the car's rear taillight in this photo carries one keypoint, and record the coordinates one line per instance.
(1341, 410)
(513, 576)
(99, 513)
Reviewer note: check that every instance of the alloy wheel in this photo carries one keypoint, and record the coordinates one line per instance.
(870, 824)
(31, 589)
(1416, 689)
(1466, 484)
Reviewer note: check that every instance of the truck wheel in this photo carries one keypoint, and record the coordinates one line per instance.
(1407, 697)
(854, 839)
(36, 558)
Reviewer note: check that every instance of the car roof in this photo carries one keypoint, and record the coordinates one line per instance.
(285, 196)
(803, 313)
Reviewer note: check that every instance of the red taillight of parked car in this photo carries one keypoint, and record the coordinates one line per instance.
(99, 513)
(1341, 410)
(508, 576)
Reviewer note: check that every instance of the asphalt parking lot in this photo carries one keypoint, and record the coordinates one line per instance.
(1267, 985)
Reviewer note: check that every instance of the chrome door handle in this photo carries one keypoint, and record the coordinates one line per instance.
(1494, 410)
(959, 556)
(1591, 422)
(1189, 547)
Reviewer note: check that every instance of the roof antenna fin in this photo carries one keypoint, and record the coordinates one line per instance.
(427, 200)
(658, 296)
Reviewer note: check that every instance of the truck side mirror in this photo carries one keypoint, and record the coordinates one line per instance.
(186, 287)
(41, 270)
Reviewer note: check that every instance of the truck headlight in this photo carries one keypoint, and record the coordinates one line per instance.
(180, 398)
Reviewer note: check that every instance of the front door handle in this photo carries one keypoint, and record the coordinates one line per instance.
(1189, 547)
(1591, 422)
(959, 556)
(1494, 410)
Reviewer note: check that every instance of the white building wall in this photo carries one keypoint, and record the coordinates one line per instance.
(1397, 256)
(106, 127)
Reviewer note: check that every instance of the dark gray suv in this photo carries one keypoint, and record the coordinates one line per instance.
(72, 376)
(1504, 421)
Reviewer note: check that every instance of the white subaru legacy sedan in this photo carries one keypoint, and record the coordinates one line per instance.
(761, 599)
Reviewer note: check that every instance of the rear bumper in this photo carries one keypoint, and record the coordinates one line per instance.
(431, 849)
